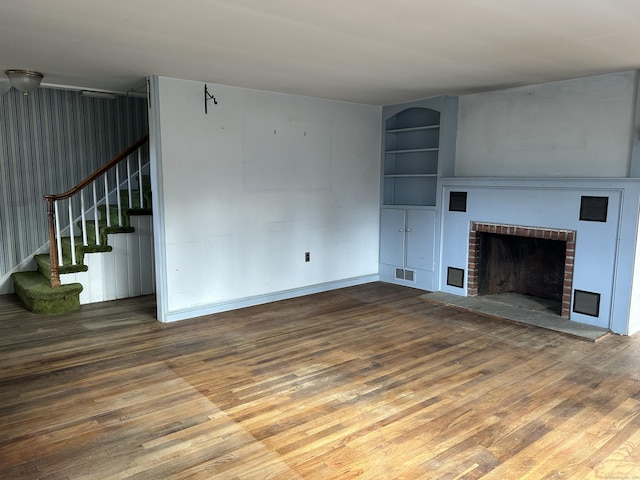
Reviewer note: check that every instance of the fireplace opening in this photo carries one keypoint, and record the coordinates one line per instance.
(520, 262)
(523, 265)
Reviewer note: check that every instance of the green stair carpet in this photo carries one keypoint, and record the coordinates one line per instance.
(34, 290)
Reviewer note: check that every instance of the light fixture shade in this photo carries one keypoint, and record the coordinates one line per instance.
(24, 80)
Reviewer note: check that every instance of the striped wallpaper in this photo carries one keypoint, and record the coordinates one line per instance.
(49, 141)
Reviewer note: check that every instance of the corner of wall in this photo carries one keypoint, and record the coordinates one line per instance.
(159, 239)
(634, 150)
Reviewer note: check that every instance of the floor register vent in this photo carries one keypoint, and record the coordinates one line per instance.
(403, 274)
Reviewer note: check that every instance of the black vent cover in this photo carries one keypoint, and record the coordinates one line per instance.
(455, 277)
(587, 303)
(594, 209)
(457, 201)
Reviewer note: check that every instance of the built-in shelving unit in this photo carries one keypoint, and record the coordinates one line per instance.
(412, 140)
(418, 149)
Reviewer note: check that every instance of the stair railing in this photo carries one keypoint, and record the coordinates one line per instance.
(54, 211)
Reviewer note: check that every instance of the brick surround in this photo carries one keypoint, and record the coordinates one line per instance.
(568, 236)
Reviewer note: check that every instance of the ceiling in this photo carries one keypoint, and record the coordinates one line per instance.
(367, 51)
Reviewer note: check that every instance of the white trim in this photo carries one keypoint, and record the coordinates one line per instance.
(266, 298)
(157, 201)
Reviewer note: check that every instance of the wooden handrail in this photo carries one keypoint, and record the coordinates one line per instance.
(117, 159)
(52, 198)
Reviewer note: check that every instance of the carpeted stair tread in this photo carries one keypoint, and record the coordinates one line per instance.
(102, 228)
(124, 203)
(113, 215)
(81, 250)
(44, 265)
(139, 211)
(35, 291)
(103, 231)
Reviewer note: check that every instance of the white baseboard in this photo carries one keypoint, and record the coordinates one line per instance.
(200, 311)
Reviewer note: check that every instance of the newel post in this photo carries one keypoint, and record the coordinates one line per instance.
(53, 249)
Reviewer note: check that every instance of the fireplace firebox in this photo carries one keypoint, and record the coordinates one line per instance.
(525, 260)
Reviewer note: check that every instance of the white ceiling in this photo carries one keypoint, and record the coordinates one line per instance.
(368, 51)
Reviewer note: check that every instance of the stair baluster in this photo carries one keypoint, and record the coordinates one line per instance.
(85, 242)
(140, 178)
(95, 213)
(106, 199)
(118, 195)
(71, 234)
(129, 182)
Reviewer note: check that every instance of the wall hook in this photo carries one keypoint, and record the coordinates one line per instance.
(207, 97)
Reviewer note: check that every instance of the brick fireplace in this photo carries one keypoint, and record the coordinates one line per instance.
(567, 236)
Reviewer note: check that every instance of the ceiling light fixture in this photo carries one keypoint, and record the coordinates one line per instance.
(24, 80)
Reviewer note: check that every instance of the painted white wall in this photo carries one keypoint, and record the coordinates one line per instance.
(243, 192)
(605, 251)
(578, 128)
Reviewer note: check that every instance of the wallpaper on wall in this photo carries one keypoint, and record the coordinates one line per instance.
(49, 141)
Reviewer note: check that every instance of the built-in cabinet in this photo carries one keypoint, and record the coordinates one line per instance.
(418, 148)
(410, 240)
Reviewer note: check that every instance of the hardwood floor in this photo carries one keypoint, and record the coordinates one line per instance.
(369, 382)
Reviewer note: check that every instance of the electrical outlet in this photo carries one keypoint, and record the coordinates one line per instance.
(307, 256)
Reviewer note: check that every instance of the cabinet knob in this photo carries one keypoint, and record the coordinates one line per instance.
(408, 230)
(401, 229)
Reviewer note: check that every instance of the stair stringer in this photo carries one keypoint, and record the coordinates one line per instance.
(127, 271)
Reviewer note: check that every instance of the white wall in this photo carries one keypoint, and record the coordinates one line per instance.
(577, 128)
(243, 192)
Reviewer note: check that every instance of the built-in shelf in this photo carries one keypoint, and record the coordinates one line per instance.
(412, 141)
(411, 129)
(413, 150)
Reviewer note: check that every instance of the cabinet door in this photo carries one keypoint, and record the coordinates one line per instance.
(392, 231)
(420, 231)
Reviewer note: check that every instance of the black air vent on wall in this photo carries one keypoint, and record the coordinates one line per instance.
(594, 209)
(457, 201)
(455, 277)
(587, 303)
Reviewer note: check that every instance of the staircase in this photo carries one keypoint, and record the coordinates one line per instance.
(117, 193)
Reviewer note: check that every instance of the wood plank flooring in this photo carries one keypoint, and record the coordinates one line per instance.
(368, 382)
